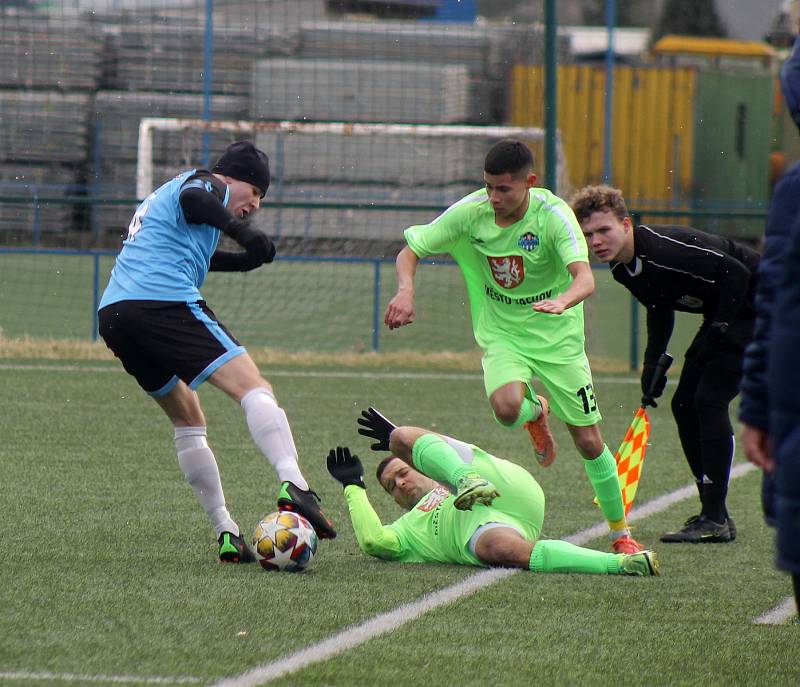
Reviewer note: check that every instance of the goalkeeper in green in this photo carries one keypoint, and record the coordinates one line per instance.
(463, 506)
(526, 267)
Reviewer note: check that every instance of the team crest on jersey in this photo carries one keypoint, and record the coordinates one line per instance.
(508, 271)
(528, 241)
(433, 499)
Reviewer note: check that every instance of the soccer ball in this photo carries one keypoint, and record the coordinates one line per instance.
(284, 541)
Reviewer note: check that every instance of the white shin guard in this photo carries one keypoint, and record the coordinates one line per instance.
(199, 466)
(270, 430)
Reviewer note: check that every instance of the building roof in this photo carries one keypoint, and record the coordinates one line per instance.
(712, 46)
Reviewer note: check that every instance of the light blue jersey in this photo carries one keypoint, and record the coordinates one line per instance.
(163, 258)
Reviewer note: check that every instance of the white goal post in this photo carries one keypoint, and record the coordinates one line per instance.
(148, 125)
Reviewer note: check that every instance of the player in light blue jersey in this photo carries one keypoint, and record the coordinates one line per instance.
(154, 319)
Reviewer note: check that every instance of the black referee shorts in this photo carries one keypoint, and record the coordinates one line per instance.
(160, 342)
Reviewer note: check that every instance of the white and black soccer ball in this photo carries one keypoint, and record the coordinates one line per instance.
(284, 541)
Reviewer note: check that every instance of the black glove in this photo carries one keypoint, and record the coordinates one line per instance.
(650, 384)
(376, 426)
(227, 261)
(654, 379)
(257, 244)
(345, 468)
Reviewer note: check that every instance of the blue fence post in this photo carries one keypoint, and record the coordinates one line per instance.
(37, 218)
(208, 75)
(95, 186)
(376, 304)
(608, 124)
(95, 295)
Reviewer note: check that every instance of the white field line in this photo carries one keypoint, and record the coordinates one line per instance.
(83, 679)
(331, 374)
(778, 615)
(391, 620)
(385, 622)
(356, 635)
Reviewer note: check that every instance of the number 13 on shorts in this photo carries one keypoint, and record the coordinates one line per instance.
(586, 395)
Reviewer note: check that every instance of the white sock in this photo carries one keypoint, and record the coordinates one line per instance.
(200, 468)
(270, 430)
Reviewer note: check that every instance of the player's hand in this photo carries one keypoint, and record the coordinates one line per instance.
(259, 249)
(257, 244)
(652, 388)
(552, 307)
(757, 447)
(346, 468)
(376, 426)
(400, 310)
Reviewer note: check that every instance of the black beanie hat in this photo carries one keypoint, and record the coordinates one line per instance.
(243, 161)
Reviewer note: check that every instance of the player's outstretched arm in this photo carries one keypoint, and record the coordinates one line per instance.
(582, 287)
(376, 426)
(373, 538)
(346, 468)
(400, 310)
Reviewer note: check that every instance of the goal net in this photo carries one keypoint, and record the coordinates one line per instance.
(341, 196)
(338, 181)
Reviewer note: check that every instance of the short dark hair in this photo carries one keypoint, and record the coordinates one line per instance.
(382, 466)
(508, 156)
(591, 199)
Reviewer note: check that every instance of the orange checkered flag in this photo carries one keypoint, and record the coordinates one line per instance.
(630, 456)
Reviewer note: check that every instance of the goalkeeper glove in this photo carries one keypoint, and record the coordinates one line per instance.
(257, 244)
(345, 468)
(376, 426)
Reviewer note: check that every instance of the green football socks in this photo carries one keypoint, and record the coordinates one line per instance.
(556, 556)
(434, 457)
(602, 473)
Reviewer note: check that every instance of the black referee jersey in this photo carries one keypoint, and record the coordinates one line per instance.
(685, 269)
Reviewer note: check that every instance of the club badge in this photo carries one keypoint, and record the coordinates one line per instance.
(508, 271)
(433, 499)
(528, 241)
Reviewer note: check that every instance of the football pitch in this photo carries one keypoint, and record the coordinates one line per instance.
(110, 577)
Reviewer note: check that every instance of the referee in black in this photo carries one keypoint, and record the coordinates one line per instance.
(669, 268)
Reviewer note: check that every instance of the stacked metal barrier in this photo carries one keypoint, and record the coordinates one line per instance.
(77, 84)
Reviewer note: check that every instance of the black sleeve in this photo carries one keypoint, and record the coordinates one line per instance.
(229, 261)
(702, 257)
(660, 322)
(734, 281)
(201, 199)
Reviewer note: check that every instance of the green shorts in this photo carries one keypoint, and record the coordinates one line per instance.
(568, 383)
(521, 500)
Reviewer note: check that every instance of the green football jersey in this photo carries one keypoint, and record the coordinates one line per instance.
(508, 269)
(435, 530)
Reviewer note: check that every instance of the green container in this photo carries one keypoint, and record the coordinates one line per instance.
(733, 129)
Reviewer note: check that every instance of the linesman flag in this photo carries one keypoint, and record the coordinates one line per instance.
(630, 456)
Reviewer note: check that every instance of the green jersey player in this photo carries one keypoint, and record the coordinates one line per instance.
(463, 506)
(526, 268)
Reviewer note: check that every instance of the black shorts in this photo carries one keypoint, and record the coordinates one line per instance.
(160, 342)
